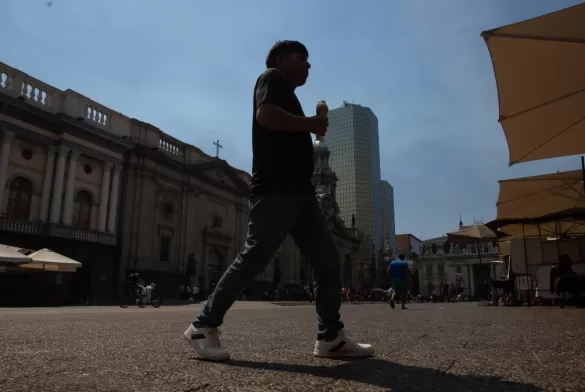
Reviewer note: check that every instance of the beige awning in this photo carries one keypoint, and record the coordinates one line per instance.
(539, 68)
(472, 235)
(538, 196)
(12, 255)
(47, 260)
(545, 230)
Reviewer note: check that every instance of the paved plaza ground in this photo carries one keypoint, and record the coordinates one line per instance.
(430, 347)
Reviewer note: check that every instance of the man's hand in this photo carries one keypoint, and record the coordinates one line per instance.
(317, 125)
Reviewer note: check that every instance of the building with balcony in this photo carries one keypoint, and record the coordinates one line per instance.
(184, 214)
(443, 262)
(60, 174)
(111, 192)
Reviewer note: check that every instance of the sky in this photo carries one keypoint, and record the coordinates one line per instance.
(189, 68)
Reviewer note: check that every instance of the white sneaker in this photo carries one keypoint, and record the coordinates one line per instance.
(342, 346)
(206, 342)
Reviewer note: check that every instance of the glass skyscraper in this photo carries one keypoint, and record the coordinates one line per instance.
(388, 223)
(353, 140)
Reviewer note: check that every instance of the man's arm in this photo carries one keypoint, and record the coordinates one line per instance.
(277, 119)
(271, 91)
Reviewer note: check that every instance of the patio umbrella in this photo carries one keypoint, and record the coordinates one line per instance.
(538, 65)
(47, 260)
(11, 255)
(544, 230)
(476, 234)
(541, 196)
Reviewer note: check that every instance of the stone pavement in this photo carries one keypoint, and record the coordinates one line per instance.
(430, 347)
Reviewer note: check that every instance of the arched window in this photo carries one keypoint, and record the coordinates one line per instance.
(82, 213)
(19, 199)
(216, 222)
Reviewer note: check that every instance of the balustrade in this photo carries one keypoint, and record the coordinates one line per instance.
(88, 235)
(171, 146)
(17, 84)
(20, 226)
(20, 85)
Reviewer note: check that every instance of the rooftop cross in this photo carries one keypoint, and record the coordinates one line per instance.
(217, 147)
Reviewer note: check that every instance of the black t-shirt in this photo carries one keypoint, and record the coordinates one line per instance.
(282, 160)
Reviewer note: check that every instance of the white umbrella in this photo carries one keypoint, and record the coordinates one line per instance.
(12, 255)
(47, 260)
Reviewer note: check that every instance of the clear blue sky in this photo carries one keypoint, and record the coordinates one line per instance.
(189, 68)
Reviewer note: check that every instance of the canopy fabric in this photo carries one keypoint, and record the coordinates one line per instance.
(47, 260)
(472, 235)
(538, 65)
(539, 196)
(545, 230)
(12, 255)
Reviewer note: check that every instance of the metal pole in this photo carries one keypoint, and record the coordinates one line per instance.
(557, 234)
(525, 261)
(583, 170)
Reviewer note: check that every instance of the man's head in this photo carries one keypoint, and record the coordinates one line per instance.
(290, 57)
(401, 257)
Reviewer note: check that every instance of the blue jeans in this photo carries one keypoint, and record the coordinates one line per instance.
(272, 217)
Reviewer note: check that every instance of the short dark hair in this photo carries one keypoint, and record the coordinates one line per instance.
(401, 256)
(283, 48)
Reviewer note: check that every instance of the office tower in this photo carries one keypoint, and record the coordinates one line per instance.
(355, 157)
(388, 223)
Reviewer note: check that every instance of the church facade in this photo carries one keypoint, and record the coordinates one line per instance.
(184, 213)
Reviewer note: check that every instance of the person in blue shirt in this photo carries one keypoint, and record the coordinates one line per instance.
(401, 280)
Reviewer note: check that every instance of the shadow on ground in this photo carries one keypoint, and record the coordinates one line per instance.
(396, 377)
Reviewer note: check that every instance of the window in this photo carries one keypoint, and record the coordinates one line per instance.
(216, 223)
(429, 270)
(19, 199)
(458, 269)
(87, 169)
(26, 154)
(164, 249)
(167, 210)
(441, 269)
(82, 211)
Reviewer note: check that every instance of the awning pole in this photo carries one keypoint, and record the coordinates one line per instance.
(583, 171)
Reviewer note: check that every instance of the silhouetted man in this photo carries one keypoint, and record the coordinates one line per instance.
(282, 202)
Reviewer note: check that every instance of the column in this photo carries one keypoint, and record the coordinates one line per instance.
(4, 157)
(69, 191)
(47, 181)
(114, 200)
(58, 185)
(104, 197)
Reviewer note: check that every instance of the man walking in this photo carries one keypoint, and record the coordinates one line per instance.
(401, 280)
(282, 201)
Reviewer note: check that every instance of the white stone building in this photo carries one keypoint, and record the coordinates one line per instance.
(442, 262)
(60, 165)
